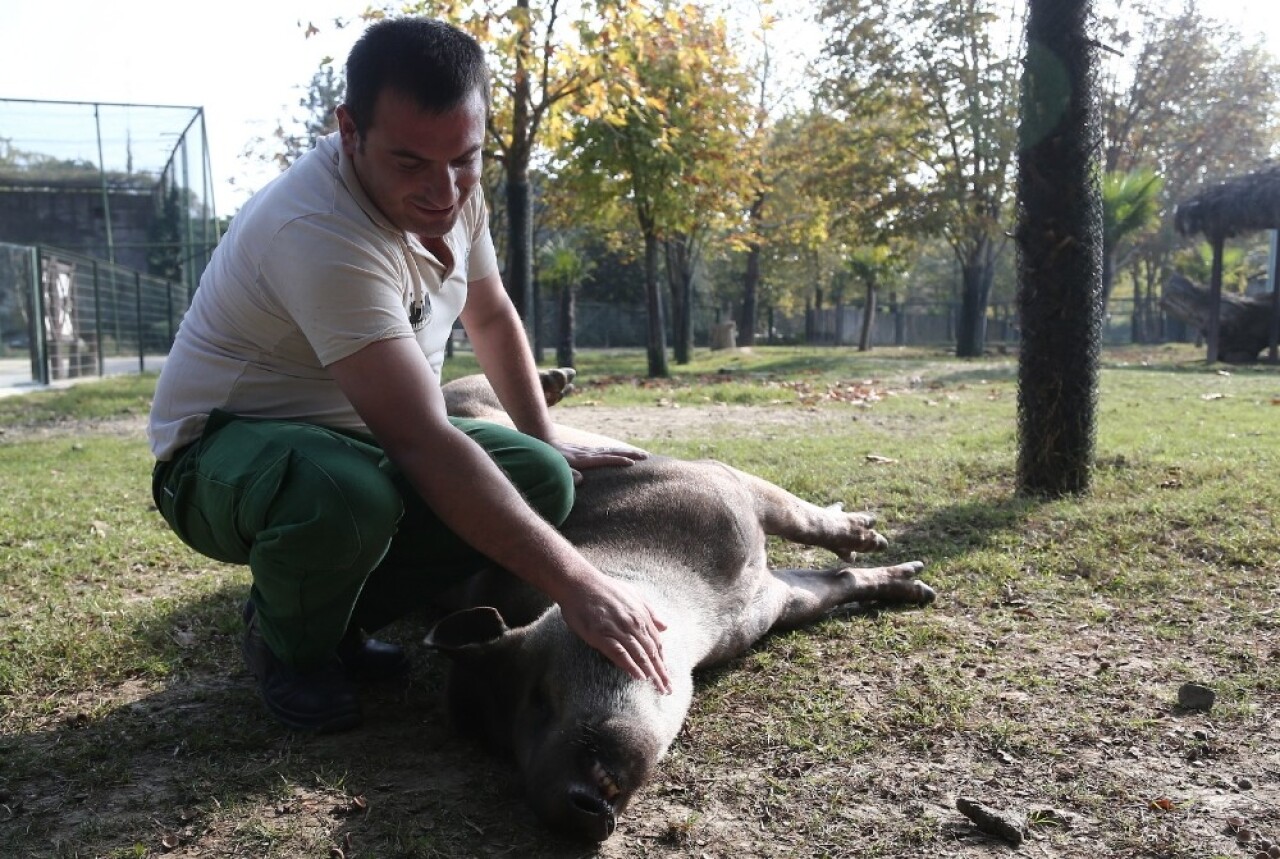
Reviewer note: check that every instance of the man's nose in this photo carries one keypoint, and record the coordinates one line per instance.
(439, 186)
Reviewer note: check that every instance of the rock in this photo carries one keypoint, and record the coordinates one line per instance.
(1193, 696)
(989, 821)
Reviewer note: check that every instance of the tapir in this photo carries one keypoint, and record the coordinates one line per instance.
(690, 536)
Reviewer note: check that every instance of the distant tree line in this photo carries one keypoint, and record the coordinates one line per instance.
(651, 151)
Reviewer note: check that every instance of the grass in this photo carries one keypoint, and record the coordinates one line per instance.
(1044, 681)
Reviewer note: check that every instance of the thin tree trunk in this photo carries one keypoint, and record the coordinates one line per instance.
(657, 328)
(868, 318)
(518, 277)
(680, 279)
(565, 356)
(977, 270)
(1059, 239)
(519, 274)
(751, 280)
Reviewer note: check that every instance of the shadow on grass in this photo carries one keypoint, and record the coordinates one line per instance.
(196, 764)
(966, 526)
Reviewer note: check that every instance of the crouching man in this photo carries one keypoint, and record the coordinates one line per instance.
(298, 424)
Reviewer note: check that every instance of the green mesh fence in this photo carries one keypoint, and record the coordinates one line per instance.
(106, 223)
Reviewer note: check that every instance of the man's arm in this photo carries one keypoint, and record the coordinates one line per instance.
(397, 395)
(496, 334)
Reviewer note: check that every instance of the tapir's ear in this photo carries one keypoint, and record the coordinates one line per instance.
(467, 628)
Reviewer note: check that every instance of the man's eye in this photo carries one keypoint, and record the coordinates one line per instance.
(409, 166)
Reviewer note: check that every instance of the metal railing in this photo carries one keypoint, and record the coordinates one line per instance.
(65, 316)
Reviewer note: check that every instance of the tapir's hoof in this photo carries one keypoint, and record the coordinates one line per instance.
(913, 590)
(557, 383)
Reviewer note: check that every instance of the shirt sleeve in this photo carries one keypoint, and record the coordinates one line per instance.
(482, 260)
(343, 290)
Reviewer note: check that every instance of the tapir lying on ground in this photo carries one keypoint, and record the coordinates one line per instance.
(691, 537)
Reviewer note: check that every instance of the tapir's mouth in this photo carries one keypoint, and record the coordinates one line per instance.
(605, 782)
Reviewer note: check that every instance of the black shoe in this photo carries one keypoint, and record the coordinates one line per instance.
(368, 660)
(320, 699)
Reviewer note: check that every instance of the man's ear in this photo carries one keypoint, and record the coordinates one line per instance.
(347, 128)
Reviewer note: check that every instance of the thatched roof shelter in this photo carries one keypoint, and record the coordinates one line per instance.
(1242, 204)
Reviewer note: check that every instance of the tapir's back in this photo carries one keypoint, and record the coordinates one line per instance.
(671, 523)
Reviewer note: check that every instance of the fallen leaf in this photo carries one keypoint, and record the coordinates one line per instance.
(1162, 804)
(880, 460)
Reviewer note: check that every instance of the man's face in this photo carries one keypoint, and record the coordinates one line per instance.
(418, 168)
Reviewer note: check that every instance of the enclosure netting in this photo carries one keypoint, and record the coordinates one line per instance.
(101, 193)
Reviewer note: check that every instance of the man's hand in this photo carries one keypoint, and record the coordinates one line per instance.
(581, 456)
(612, 618)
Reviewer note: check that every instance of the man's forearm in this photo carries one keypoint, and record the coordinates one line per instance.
(491, 514)
(507, 361)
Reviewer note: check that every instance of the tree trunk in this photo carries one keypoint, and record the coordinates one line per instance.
(565, 356)
(750, 293)
(657, 327)
(976, 270)
(680, 279)
(1244, 328)
(751, 279)
(519, 274)
(1059, 239)
(868, 318)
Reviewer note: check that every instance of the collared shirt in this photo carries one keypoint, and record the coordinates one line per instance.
(309, 273)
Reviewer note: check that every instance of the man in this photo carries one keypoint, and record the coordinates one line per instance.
(299, 426)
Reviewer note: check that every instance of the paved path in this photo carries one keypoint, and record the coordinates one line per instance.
(15, 373)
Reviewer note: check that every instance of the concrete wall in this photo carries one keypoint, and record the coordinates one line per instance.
(73, 219)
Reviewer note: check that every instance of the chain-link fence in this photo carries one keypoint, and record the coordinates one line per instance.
(129, 184)
(65, 316)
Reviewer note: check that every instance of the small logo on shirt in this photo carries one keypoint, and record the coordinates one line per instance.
(420, 313)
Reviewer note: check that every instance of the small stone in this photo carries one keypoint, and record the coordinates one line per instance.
(1243, 783)
(1235, 824)
(1193, 696)
(1244, 836)
(1274, 851)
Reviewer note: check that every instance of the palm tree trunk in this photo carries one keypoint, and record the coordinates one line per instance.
(1059, 239)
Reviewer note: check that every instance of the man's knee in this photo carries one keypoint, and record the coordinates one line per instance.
(549, 487)
(536, 468)
(336, 513)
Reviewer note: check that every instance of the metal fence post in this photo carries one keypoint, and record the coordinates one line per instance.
(137, 291)
(168, 311)
(39, 343)
(97, 319)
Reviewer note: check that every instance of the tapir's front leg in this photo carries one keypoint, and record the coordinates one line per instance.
(804, 596)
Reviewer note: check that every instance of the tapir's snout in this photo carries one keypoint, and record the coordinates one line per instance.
(584, 805)
(582, 790)
(589, 815)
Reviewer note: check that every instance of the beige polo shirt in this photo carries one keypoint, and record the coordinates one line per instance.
(309, 273)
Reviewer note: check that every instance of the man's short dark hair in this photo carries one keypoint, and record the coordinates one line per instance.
(435, 64)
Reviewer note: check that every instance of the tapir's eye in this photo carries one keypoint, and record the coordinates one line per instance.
(539, 702)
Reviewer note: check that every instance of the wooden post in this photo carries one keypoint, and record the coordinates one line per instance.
(1274, 264)
(1215, 299)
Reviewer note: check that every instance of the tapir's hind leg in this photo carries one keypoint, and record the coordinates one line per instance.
(809, 594)
(785, 515)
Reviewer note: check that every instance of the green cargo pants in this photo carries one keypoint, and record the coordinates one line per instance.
(331, 530)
